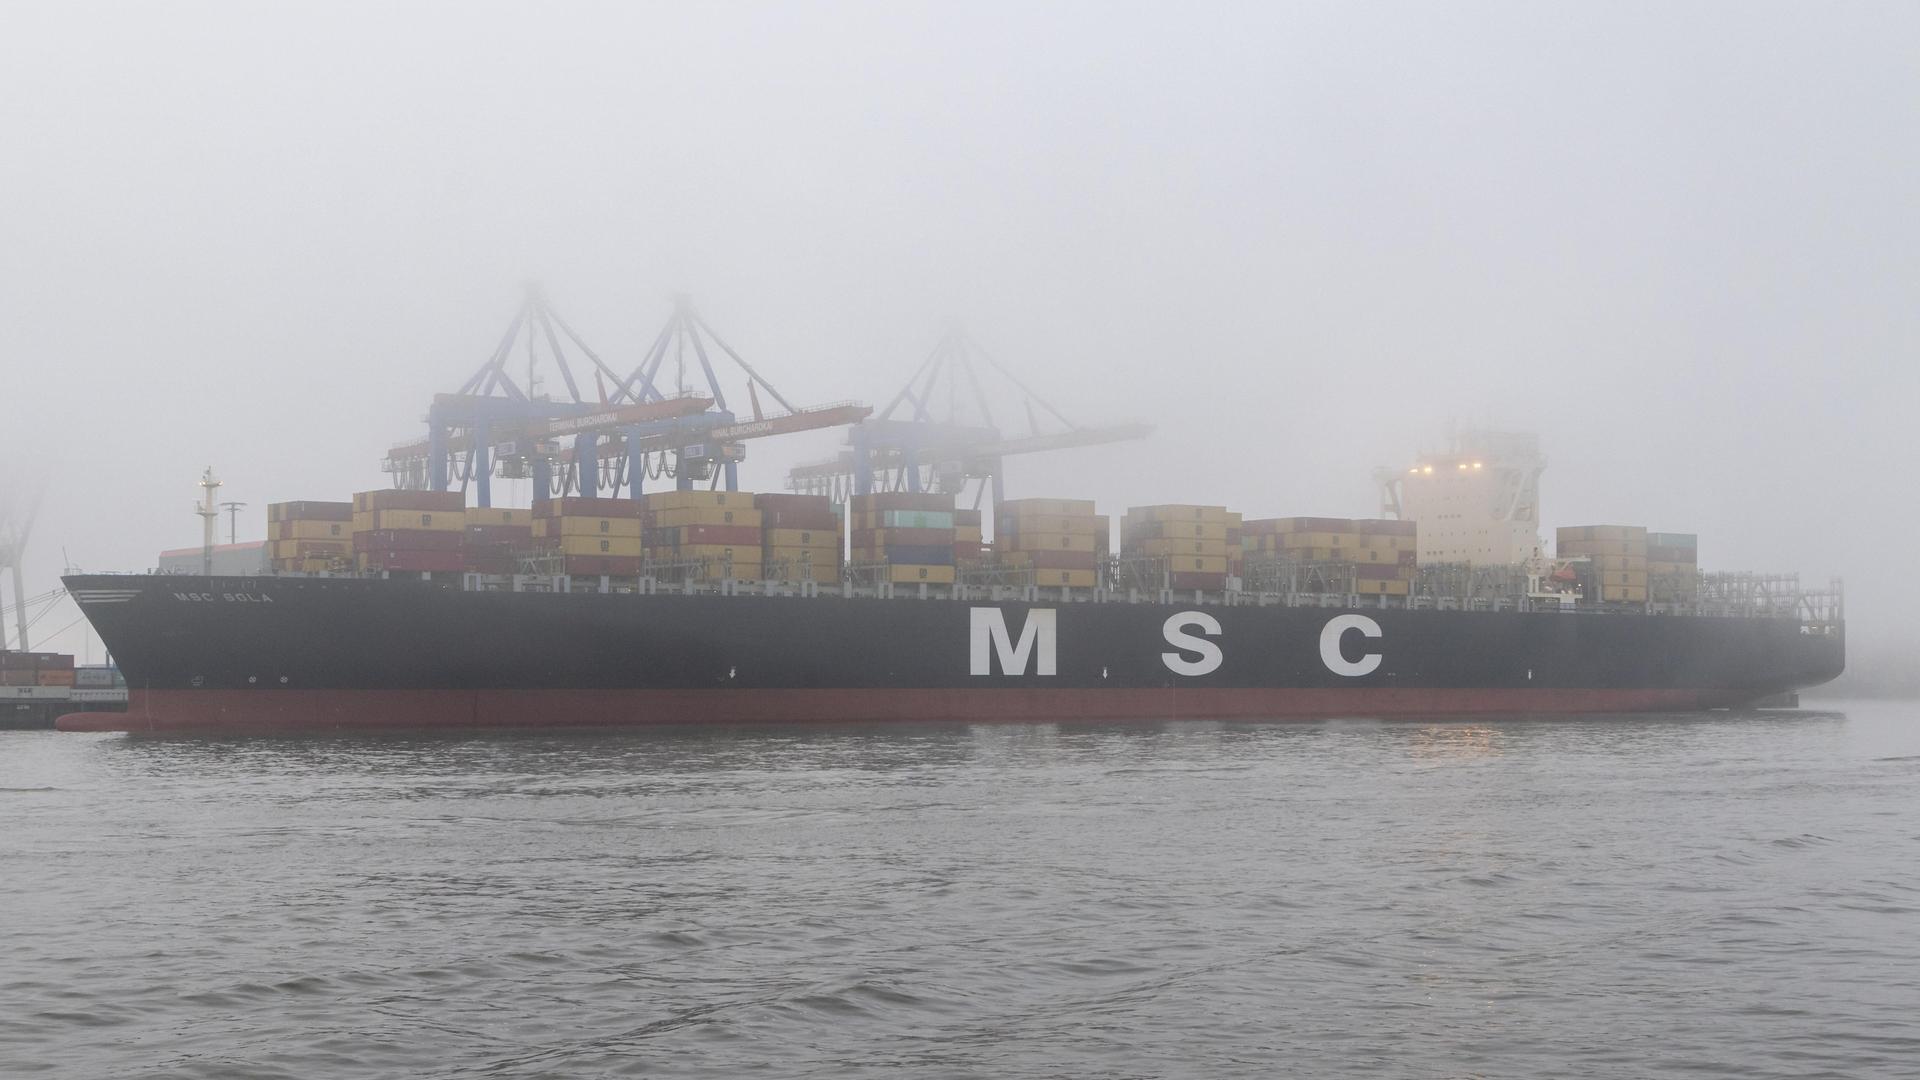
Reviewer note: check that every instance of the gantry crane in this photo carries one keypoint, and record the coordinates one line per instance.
(630, 430)
(939, 432)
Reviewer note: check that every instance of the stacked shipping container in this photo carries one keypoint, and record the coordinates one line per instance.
(494, 539)
(36, 669)
(408, 530)
(1616, 560)
(1383, 553)
(968, 540)
(591, 537)
(1193, 540)
(800, 537)
(721, 531)
(1673, 568)
(1063, 540)
(309, 537)
(912, 534)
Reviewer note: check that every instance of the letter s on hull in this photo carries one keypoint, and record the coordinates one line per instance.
(1337, 661)
(1175, 631)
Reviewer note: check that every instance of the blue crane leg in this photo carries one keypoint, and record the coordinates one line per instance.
(733, 476)
(482, 465)
(636, 465)
(586, 460)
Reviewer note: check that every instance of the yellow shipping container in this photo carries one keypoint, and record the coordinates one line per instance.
(829, 538)
(590, 526)
(1026, 541)
(1382, 586)
(699, 500)
(814, 555)
(1619, 562)
(494, 515)
(1197, 564)
(1320, 540)
(316, 530)
(421, 520)
(1372, 557)
(708, 515)
(600, 545)
(1179, 547)
(363, 521)
(300, 549)
(1011, 523)
(912, 574)
(966, 534)
(1623, 594)
(737, 554)
(1178, 512)
(1624, 577)
(1072, 579)
(1672, 569)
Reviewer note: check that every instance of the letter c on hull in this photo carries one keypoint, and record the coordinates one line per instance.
(1337, 661)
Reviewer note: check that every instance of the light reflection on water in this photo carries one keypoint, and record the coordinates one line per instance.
(1595, 896)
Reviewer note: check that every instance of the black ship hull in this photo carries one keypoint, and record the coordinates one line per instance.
(242, 654)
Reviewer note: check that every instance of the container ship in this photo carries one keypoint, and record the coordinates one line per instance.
(406, 609)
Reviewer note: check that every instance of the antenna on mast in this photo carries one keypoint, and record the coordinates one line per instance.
(209, 516)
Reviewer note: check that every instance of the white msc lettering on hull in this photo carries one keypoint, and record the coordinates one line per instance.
(990, 638)
(1175, 631)
(1337, 661)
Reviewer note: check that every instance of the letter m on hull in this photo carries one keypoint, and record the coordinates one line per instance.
(991, 639)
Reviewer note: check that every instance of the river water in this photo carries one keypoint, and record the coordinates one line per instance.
(1714, 895)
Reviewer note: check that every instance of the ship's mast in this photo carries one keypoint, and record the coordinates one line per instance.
(209, 512)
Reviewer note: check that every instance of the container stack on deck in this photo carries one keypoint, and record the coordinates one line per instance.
(1616, 569)
(1673, 568)
(309, 537)
(590, 537)
(494, 539)
(1063, 540)
(912, 534)
(720, 531)
(800, 537)
(408, 530)
(1193, 540)
(36, 669)
(969, 544)
(1383, 553)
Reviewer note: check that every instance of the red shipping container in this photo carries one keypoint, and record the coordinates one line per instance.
(396, 499)
(585, 506)
(1063, 560)
(413, 560)
(499, 534)
(817, 504)
(1193, 579)
(488, 564)
(966, 517)
(407, 540)
(54, 677)
(735, 535)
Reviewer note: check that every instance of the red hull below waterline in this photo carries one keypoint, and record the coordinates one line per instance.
(373, 710)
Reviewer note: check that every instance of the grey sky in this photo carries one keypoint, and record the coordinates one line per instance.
(1678, 240)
